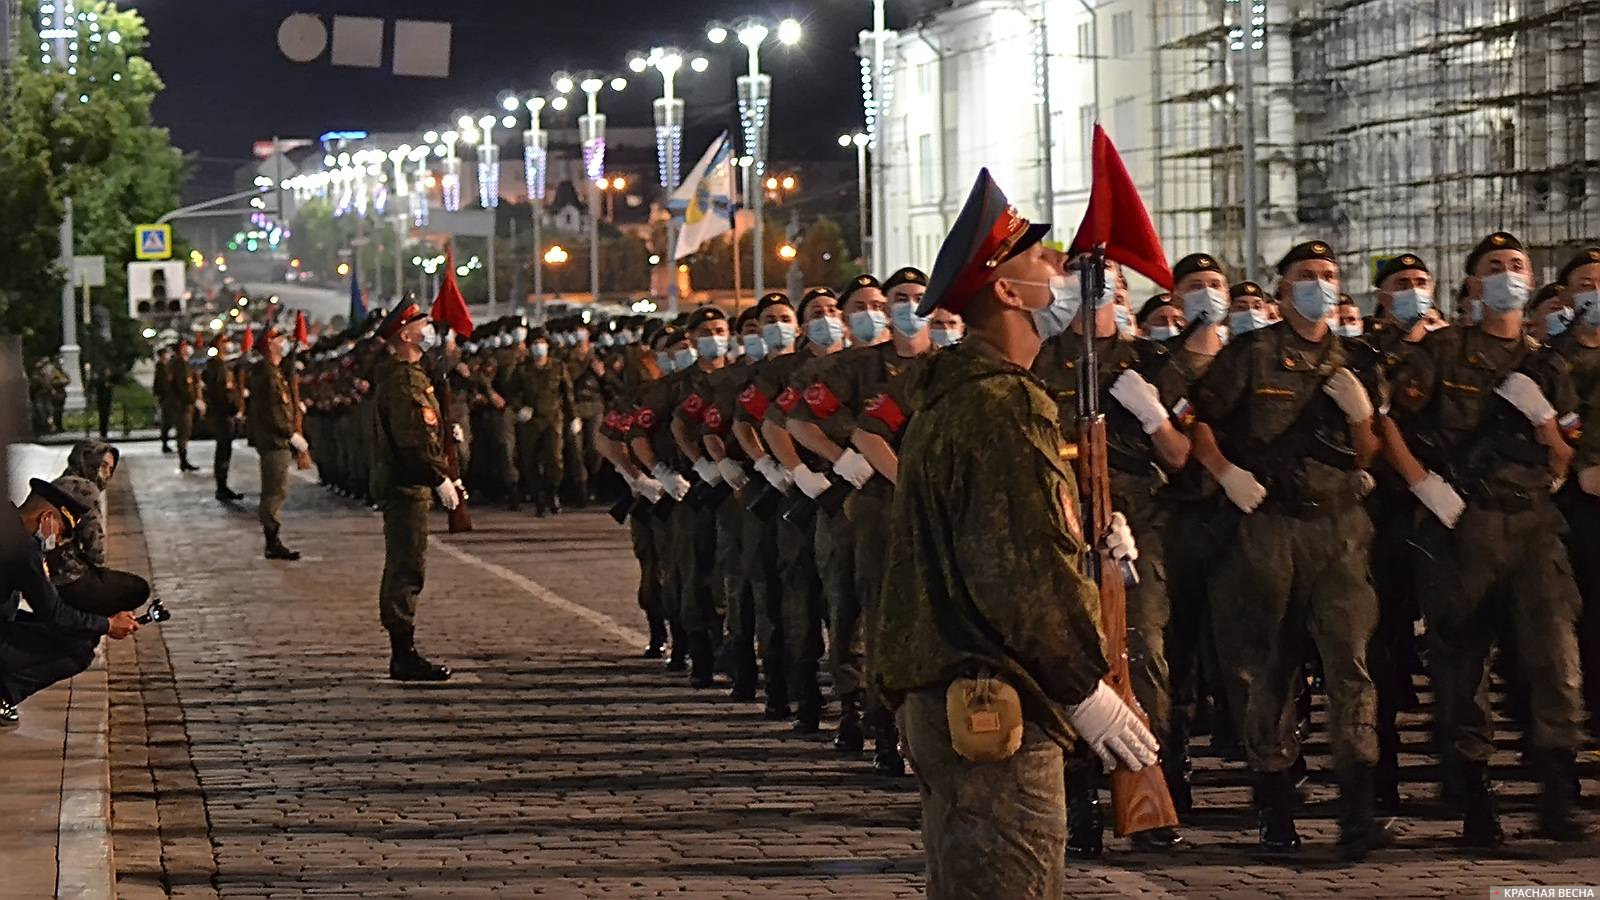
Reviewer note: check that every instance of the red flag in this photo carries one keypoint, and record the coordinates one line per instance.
(302, 334)
(450, 308)
(1116, 218)
(248, 342)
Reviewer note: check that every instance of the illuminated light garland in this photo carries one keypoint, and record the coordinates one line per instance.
(489, 176)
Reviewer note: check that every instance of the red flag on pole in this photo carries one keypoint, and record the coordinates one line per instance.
(302, 334)
(1116, 218)
(450, 308)
(248, 341)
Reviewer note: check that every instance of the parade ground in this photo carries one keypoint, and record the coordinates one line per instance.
(257, 748)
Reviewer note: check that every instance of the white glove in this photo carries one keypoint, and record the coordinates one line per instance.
(1113, 731)
(707, 470)
(854, 468)
(1525, 395)
(733, 473)
(810, 483)
(461, 488)
(1242, 488)
(673, 483)
(1440, 498)
(1119, 540)
(1141, 398)
(297, 442)
(200, 406)
(525, 414)
(1589, 480)
(774, 473)
(576, 427)
(648, 488)
(449, 497)
(1347, 391)
(457, 435)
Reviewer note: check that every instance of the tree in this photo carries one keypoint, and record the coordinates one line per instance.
(84, 133)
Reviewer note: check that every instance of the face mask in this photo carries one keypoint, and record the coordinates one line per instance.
(905, 319)
(1556, 322)
(1209, 303)
(664, 362)
(1124, 320)
(429, 341)
(605, 340)
(1064, 304)
(46, 542)
(867, 325)
(1246, 320)
(581, 336)
(1164, 332)
(1505, 292)
(825, 330)
(522, 335)
(1314, 299)
(778, 335)
(1351, 330)
(1410, 304)
(540, 350)
(1586, 307)
(944, 337)
(755, 347)
(712, 346)
(684, 358)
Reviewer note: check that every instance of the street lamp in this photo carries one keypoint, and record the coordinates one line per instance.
(860, 140)
(535, 162)
(592, 132)
(755, 94)
(668, 61)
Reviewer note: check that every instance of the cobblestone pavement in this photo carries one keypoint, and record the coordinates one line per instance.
(259, 749)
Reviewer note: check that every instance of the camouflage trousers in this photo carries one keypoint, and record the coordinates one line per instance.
(222, 457)
(801, 608)
(405, 551)
(989, 829)
(758, 563)
(539, 456)
(836, 554)
(868, 509)
(1284, 576)
(274, 488)
(182, 419)
(693, 555)
(736, 601)
(1502, 574)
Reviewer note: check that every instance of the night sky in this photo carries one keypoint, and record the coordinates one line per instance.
(228, 85)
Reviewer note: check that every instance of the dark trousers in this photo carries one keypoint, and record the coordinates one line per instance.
(33, 657)
(105, 592)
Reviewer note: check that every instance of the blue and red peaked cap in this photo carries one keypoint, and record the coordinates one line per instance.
(987, 233)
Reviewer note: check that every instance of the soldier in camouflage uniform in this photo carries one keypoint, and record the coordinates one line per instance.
(541, 394)
(222, 410)
(1295, 424)
(270, 430)
(509, 355)
(585, 370)
(178, 402)
(408, 459)
(803, 601)
(982, 495)
(1580, 285)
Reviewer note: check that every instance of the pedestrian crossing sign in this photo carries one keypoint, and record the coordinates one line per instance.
(152, 241)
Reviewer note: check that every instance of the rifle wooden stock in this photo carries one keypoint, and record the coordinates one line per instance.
(460, 517)
(302, 459)
(1139, 800)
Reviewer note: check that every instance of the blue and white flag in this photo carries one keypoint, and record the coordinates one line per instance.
(704, 202)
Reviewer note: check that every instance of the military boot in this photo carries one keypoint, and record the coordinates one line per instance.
(406, 664)
(678, 659)
(886, 758)
(1556, 821)
(776, 684)
(1359, 832)
(183, 462)
(1177, 767)
(276, 549)
(1274, 796)
(849, 737)
(553, 500)
(1480, 821)
(538, 503)
(658, 637)
(1085, 825)
(702, 660)
(742, 663)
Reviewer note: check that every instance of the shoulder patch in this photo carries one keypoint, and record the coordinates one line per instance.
(645, 418)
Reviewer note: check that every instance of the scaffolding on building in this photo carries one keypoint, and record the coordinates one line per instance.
(1384, 126)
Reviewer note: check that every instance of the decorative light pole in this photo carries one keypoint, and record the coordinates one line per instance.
(489, 195)
(535, 170)
(592, 132)
(755, 96)
(859, 140)
(669, 141)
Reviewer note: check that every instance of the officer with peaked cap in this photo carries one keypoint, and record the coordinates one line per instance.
(269, 427)
(410, 465)
(988, 641)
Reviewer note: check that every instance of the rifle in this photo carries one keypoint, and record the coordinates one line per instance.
(460, 517)
(1139, 800)
(302, 459)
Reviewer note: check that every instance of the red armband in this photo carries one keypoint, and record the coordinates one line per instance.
(713, 421)
(821, 401)
(693, 406)
(752, 401)
(885, 410)
(788, 400)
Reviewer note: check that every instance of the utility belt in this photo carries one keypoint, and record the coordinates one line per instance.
(1296, 503)
(1503, 498)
